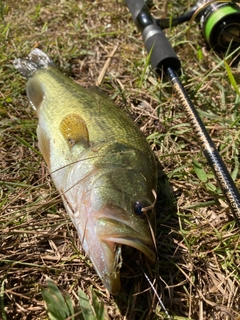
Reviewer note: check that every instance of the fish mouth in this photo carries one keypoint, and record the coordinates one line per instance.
(125, 236)
(114, 229)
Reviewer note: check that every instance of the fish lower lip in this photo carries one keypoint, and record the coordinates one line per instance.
(109, 231)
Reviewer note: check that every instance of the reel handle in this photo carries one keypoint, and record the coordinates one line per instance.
(162, 54)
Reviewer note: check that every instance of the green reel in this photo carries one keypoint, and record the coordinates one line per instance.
(220, 24)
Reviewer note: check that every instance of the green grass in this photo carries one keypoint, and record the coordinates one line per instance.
(197, 273)
(61, 307)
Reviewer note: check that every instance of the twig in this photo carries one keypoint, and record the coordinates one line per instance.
(105, 67)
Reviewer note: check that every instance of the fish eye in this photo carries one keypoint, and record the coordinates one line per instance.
(138, 206)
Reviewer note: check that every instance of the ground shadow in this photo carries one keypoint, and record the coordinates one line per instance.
(137, 299)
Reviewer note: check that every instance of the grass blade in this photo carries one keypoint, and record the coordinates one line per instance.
(86, 308)
(200, 172)
(98, 307)
(231, 77)
(2, 308)
(58, 307)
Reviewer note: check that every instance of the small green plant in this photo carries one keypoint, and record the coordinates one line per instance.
(61, 307)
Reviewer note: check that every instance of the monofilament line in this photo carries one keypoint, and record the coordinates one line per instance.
(157, 295)
(155, 291)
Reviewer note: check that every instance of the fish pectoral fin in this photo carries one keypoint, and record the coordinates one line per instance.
(44, 144)
(74, 130)
(35, 93)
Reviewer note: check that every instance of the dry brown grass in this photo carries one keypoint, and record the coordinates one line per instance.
(197, 274)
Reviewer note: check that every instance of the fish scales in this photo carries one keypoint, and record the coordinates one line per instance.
(100, 163)
(95, 110)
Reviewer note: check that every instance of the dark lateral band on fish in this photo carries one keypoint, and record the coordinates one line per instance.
(99, 161)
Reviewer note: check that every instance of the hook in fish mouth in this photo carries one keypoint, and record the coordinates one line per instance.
(134, 240)
(113, 231)
(112, 245)
(115, 226)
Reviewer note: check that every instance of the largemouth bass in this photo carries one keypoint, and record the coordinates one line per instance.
(100, 163)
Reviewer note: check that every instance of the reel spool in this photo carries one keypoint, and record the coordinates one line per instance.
(219, 23)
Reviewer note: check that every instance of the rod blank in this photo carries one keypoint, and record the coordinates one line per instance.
(214, 159)
(164, 59)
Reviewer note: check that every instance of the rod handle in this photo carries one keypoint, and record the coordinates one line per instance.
(162, 54)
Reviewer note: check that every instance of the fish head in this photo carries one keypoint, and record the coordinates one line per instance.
(124, 218)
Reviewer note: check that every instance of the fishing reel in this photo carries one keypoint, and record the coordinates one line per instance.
(219, 22)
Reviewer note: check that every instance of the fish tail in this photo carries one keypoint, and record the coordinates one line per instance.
(36, 60)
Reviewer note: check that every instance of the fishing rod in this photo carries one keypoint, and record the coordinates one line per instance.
(165, 61)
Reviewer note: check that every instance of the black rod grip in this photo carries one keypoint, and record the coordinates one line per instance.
(162, 54)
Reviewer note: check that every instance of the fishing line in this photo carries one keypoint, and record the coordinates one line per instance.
(219, 22)
(202, 6)
(165, 61)
(144, 209)
(155, 291)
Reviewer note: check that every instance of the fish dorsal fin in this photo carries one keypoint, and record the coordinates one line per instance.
(44, 144)
(74, 130)
(35, 93)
